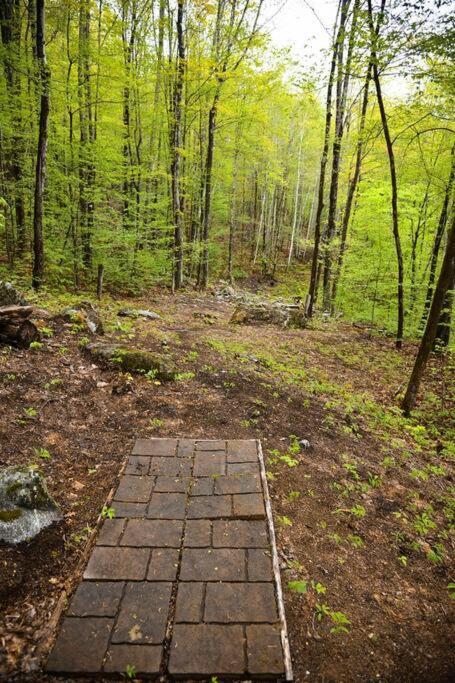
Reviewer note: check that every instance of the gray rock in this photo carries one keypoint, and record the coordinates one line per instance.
(134, 360)
(26, 506)
(9, 296)
(84, 314)
(138, 313)
(304, 443)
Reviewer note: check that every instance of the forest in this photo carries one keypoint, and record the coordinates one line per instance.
(291, 223)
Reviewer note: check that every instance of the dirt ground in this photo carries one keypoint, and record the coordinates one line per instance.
(364, 511)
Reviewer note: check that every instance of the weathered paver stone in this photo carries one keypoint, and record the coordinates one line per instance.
(143, 613)
(240, 602)
(96, 599)
(117, 563)
(210, 564)
(183, 581)
(208, 649)
(80, 645)
(153, 533)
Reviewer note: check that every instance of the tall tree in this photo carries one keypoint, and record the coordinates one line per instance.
(374, 35)
(41, 157)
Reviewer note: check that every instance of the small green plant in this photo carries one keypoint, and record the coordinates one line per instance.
(293, 495)
(423, 523)
(184, 376)
(156, 423)
(283, 520)
(341, 622)
(31, 412)
(319, 588)
(322, 610)
(403, 560)
(36, 345)
(107, 512)
(356, 541)
(298, 586)
(451, 589)
(130, 671)
(42, 453)
(47, 331)
(358, 511)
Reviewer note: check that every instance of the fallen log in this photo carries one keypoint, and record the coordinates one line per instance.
(18, 332)
(15, 311)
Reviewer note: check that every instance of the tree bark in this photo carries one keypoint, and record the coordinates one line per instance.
(40, 171)
(444, 282)
(374, 32)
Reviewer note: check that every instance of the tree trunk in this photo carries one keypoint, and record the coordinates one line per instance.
(176, 134)
(437, 242)
(446, 278)
(393, 176)
(40, 171)
(341, 96)
(325, 152)
(352, 188)
(443, 329)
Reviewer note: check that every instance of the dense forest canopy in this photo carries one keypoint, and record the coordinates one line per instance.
(182, 146)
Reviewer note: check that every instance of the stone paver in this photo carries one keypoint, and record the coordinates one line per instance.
(181, 582)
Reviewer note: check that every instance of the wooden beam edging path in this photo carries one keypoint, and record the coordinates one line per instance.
(276, 568)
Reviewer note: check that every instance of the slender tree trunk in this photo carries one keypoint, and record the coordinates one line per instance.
(325, 152)
(393, 175)
(352, 188)
(437, 241)
(344, 72)
(446, 279)
(176, 134)
(40, 171)
(296, 200)
(443, 329)
(10, 31)
(204, 270)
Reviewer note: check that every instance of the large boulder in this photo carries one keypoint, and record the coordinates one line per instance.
(133, 360)
(9, 296)
(269, 313)
(26, 506)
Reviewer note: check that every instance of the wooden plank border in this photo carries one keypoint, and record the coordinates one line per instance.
(276, 568)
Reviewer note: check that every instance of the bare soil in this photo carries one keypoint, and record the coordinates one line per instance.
(362, 515)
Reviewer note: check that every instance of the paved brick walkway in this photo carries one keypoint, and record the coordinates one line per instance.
(184, 581)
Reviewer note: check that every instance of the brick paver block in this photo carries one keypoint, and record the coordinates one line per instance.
(242, 451)
(138, 465)
(240, 534)
(129, 510)
(111, 531)
(208, 564)
(143, 613)
(249, 505)
(167, 506)
(210, 507)
(209, 463)
(80, 645)
(243, 468)
(155, 447)
(264, 651)
(207, 649)
(203, 486)
(185, 448)
(163, 564)
(259, 563)
(198, 533)
(190, 601)
(117, 564)
(96, 599)
(240, 602)
(169, 467)
(152, 533)
(171, 485)
(238, 483)
(146, 659)
(214, 445)
(134, 489)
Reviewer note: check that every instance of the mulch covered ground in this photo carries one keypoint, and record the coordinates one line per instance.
(362, 514)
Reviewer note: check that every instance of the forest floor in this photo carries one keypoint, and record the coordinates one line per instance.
(362, 515)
